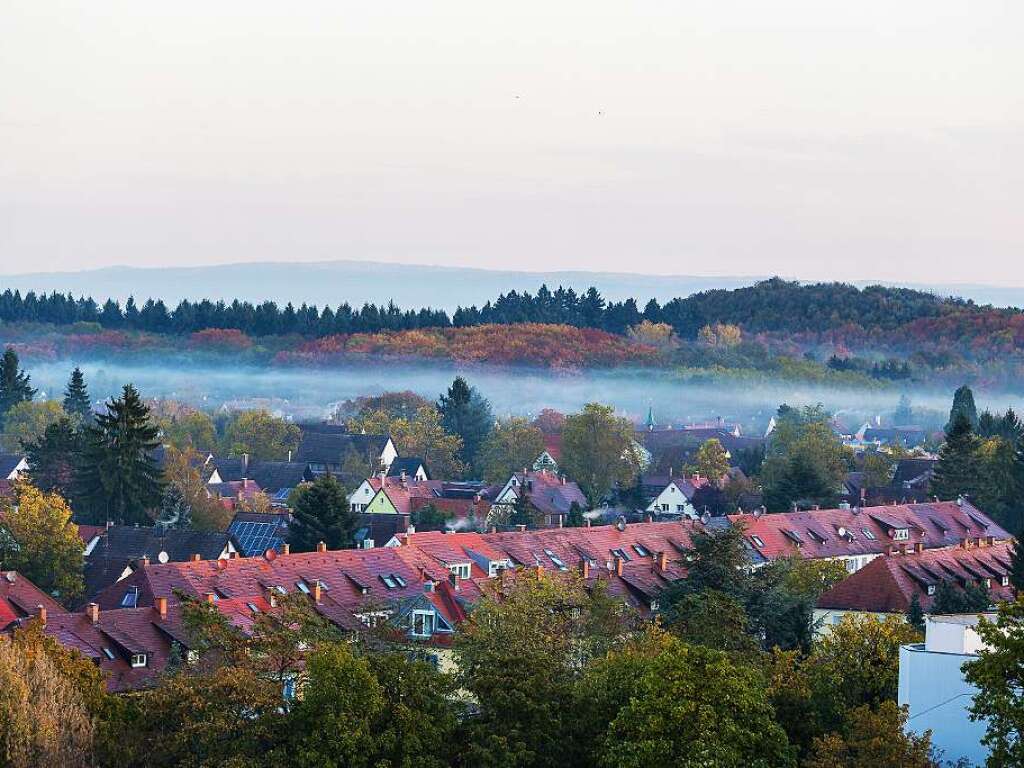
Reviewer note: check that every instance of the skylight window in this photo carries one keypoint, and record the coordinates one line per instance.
(758, 541)
(108, 653)
(393, 581)
(303, 588)
(131, 598)
(641, 550)
(556, 560)
(621, 554)
(253, 607)
(868, 534)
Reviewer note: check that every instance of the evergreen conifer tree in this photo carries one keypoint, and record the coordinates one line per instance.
(118, 478)
(321, 512)
(1017, 567)
(963, 404)
(14, 383)
(76, 396)
(915, 614)
(52, 458)
(466, 413)
(957, 470)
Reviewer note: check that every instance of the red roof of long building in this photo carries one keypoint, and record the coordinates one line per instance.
(20, 598)
(888, 583)
(828, 533)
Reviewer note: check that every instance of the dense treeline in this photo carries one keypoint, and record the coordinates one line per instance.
(769, 306)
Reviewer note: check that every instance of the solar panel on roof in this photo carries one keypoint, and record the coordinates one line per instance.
(255, 538)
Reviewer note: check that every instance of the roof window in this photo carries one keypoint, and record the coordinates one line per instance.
(869, 534)
(757, 541)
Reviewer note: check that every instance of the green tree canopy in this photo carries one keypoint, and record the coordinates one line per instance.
(261, 435)
(958, 468)
(52, 457)
(598, 451)
(15, 384)
(27, 421)
(963, 405)
(513, 444)
(118, 479)
(321, 512)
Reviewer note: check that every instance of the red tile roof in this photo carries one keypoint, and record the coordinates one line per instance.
(829, 533)
(20, 598)
(888, 583)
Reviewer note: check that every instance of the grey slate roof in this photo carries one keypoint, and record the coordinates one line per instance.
(410, 465)
(330, 447)
(8, 461)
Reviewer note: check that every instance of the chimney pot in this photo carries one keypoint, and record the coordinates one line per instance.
(618, 566)
(663, 561)
(211, 598)
(321, 546)
(196, 557)
(161, 607)
(317, 591)
(539, 571)
(585, 568)
(145, 561)
(919, 547)
(92, 610)
(286, 548)
(42, 615)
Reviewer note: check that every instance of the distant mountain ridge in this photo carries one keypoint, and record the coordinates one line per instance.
(356, 282)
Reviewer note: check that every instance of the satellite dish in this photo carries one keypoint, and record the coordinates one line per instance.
(620, 524)
(705, 518)
(842, 531)
(163, 557)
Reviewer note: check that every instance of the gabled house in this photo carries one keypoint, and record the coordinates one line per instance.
(667, 495)
(12, 466)
(327, 447)
(550, 494)
(409, 468)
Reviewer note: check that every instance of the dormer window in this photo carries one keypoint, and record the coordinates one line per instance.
(131, 598)
(988, 583)
(139, 659)
(1005, 581)
(422, 623)
(461, 570)
(900, 534)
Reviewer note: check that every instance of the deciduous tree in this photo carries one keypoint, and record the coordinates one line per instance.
(598, 450)
(261, 435)
(872, 738)
(512, 445)
(26, 422)
(712, 460)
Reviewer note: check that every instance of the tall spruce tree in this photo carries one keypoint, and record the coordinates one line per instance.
(466, 413)
(76, 396)
(14, 383)
(321, 512)
(915, 614)
(963, 404)
(118, 478)
(52, 458)
(957, 470)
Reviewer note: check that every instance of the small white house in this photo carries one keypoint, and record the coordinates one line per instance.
(672, 499)
(361, 497)
(12, 466)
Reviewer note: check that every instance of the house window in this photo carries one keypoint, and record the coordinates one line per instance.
(303, 588)
(1006, 581)
(108, 653)
(758, 541)
(461, 570)
(851, 565)
(288, 689)
(393, 581)
(988, 583)
(680, 507)
(621, 554)
(901, 534)
(131, 598)
(373, 619)
(556, 560)
(931, 589)
(138, 659)
(664, 507)
(868, 534)
(423, 623)
(641, 550)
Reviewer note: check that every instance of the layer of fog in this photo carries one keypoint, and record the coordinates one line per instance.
(307, 394)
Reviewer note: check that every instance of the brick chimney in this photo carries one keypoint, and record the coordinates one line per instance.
(92, 610)
(585, 568)
(317, 591)
(663, 561)
(618, 566)
(145, 561)
(321, 546)
(888, 550)
(211, 598)
(286, 549)
(918, 548)
(42, 615)
(521, 528)
(161, 607)
(196, 557)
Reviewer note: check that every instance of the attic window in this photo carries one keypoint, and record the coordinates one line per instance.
(461, 570)
(900, 534)
(794, 536)
(556, 560)
(987, 582)
(641, 550)
(423, 623)
(869, 534)
(108, 653)
(131, 598)
(758, 541)
(816, 536)
(138, 659)
(252, 607)
(621, 554)
(393, 581)
(303, 588)
(1005, 581)
(931, 589)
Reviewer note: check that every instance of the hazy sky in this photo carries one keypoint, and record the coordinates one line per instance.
(809, 138)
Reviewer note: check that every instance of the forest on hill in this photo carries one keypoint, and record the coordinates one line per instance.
(828, 332)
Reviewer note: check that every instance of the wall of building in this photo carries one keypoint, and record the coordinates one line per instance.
(932, 686)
